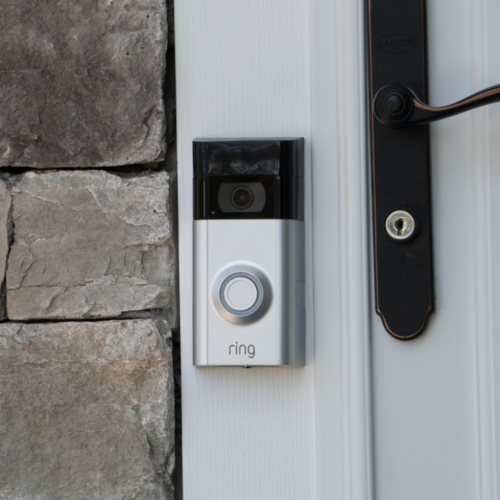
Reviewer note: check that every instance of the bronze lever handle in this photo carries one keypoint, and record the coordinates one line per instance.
(398, 106)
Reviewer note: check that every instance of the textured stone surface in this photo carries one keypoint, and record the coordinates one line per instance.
(5, 232)
(86, 411)
(81, 82)
(90, 244)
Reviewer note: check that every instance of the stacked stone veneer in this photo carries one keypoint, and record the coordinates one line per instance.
(87, 252)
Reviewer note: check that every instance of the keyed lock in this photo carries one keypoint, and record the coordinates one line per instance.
(397, 56)
(400, 225)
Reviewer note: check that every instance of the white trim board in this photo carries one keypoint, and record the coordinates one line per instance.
(341, 244)
(242, 71)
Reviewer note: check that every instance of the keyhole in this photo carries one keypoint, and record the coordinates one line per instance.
(400, 226)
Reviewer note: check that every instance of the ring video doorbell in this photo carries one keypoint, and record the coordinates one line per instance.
(249, 272)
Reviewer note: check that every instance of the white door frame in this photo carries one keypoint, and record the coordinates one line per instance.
(341, 243)
(270, 68)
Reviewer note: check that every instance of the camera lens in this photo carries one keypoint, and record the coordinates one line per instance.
(241, 197)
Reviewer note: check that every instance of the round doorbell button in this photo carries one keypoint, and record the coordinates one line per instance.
(240, 293)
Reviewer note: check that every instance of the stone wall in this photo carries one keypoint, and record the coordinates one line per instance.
(88, 269)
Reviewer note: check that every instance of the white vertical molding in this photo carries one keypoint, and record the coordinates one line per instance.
(354, 246)
(353, 240)
(480, 164)
(341, 250)
(326, 251)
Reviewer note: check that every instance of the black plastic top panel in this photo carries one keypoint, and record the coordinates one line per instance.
(282, 157)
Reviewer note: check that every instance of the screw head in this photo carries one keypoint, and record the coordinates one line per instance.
(400, 225)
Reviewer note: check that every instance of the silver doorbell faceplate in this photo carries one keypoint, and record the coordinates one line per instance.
(249, 253)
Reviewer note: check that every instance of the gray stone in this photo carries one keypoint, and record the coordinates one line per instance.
(81, 82)
(91, 244)
(5, 234)
(86, 411)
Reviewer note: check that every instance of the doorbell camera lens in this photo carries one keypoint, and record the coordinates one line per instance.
(242, 198)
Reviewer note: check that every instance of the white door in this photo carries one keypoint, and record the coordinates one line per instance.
(369, 416)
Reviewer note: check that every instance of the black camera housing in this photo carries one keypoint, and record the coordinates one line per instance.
(271, 169)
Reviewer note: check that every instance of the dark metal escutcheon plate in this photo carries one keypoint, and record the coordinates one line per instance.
(400, 169)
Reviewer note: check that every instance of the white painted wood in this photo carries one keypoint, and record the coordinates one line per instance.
(434, 434)
(480, 60)
(242, 71)
(424, 390)
(485, 26)
(369, 417)
(341, 250)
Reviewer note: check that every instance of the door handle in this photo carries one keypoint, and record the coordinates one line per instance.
(399, 106)
(402, 236)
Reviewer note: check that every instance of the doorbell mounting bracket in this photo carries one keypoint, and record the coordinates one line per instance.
(249, 268)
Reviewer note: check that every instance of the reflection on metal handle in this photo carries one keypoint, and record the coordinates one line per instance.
(398, 106)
